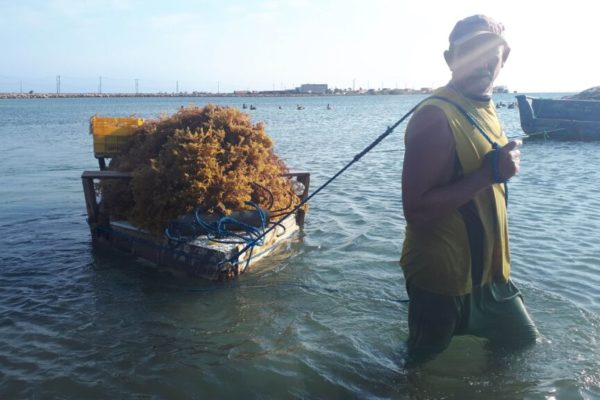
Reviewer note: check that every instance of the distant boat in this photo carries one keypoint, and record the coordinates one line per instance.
(328, 107)
(560, 119)
(252, 107)
(299, 107)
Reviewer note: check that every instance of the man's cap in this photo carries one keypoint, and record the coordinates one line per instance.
(476, 26)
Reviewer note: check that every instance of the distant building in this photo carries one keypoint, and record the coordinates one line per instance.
(276, 92)
(500, 89)
(317, 88)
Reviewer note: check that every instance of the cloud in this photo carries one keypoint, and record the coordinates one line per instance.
(176, 22)
(89, 8)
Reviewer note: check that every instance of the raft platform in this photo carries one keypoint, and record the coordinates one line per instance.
(200, 257)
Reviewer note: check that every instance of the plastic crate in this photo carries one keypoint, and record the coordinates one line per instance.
(111, 134)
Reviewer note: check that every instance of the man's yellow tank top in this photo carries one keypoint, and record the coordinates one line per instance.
(437, 258)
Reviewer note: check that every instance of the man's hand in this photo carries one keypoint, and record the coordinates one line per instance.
(506, 163)
(509, 159)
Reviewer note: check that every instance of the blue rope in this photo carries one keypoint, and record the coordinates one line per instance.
(495, 167)
(495, 145)
(220, 229)
(356, 158)
(367, 149)
(254, 235)
(469, 118)
(177, 237)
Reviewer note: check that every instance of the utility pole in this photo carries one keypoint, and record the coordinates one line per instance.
(137, 86)
(21, 86)
(177, 87)
(218, 83)
(353, 84)
(57, 84)
(100, 86)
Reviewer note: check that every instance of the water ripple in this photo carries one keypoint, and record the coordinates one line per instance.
(322, 318)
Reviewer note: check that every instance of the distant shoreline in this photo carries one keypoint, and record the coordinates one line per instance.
(371, 92)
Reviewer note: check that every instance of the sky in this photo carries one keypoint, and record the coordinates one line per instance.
(222, 46)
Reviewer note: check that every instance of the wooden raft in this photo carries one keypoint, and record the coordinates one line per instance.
(200, 257)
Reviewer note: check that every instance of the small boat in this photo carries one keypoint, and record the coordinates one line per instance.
(200, 255)
(299, 107)
(252, 107)
(559, 119)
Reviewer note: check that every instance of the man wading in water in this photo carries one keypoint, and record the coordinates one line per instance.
(455, 256)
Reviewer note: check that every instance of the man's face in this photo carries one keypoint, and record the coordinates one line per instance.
(476, 64)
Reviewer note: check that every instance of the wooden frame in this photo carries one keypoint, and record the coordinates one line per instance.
(199, 257)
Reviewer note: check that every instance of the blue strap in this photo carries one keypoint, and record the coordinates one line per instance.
(495, 146)
(495, 168)
(469, 118)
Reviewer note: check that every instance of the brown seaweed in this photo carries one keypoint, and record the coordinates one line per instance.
(212, 158)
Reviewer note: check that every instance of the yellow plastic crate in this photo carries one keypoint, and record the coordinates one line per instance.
(111, 134)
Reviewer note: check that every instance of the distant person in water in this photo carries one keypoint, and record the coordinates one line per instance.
(456, 258)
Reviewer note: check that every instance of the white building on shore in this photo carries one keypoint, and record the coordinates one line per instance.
(316, 88)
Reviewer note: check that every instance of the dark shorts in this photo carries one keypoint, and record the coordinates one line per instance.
(494, 311)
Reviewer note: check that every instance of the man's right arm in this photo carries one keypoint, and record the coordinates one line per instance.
(429, 158)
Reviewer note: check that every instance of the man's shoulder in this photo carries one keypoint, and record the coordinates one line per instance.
(429, 112)
(430, 122)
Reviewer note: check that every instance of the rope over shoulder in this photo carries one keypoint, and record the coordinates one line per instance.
(358, 156)
(495, 146)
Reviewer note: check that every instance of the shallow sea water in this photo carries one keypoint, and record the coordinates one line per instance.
(324, 317)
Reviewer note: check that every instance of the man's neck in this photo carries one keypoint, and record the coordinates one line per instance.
(472, 96)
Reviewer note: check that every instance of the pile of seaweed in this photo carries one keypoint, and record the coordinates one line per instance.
(212, 158)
